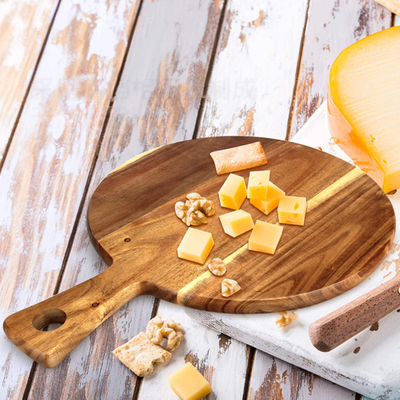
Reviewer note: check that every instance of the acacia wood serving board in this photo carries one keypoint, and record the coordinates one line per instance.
(349, 229)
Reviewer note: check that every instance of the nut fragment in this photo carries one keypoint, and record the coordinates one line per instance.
(229, 287)
(286, 319)
(157, 330)
(217, 267)
(194, 210)
(140, 355)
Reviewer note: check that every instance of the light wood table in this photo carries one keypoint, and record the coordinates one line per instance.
(87, 85)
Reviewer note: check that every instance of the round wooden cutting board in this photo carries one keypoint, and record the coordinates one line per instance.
(349, 228)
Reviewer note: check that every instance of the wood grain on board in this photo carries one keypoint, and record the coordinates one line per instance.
(275, 379)
(23, 28)
(332, 26)
(251, 85)
(46, 168)
(185, 38)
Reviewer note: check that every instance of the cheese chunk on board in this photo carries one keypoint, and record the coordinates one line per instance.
(364, 105)
(236, 223)
(265, 237)
(292, 210)
(188, 383)
(274, 195)
(196, 245)
(258, 185)
(233, 192)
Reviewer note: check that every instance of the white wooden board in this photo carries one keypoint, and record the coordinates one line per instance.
(375, 369)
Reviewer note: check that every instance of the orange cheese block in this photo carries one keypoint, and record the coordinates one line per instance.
(364, 105)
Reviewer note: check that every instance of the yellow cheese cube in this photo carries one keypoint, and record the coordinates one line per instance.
(196, 245)
(292, 210)
(274, 194)
(236, 222)
(233, 192)
(265, 237)
(258, 185)
(188, 383)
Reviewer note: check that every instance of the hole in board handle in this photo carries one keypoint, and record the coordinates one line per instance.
(51, 319)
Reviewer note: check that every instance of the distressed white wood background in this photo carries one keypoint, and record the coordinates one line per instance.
(87, 84)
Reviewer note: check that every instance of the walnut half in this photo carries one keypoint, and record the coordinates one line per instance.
(157, 330)
(195, 211)
(217, 267)
(229, 287)
(286, 318)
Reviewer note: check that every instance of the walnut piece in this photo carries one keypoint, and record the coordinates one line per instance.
(229, 287)
(195, 211)
(217, 267)
(140, 355)
(157, 330)
(286, 319)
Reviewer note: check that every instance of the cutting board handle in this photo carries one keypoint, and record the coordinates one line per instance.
(334, 329)
(80, 310)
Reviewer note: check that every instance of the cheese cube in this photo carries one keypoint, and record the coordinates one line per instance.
(292, 210)
(258, 185)
(265, 237)
(188, 383)
(236, 222)
(274, 195)
(233, 192)
(196, 245)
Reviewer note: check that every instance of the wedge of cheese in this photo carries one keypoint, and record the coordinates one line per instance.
(364, 105)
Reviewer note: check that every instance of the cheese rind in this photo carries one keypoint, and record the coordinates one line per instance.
(195, 245)
(233, 192)
(188, 383)
(236, 223)
(363, 105)
(265, 237)
(274, 194)
(292, 210)
(258, 185)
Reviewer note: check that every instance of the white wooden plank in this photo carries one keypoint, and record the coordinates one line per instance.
(373, 370)
(275, 379)
(163, 76)
(23, 28)
(332, 26)
(252, 81)
(221, 360)
(58, 132)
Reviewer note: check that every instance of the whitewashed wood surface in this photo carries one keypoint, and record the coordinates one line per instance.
(72, 109)
(373, 371)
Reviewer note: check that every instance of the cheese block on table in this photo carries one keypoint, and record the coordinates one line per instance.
(364, 105)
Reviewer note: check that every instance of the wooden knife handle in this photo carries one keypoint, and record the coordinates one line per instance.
(334, 329)
(80, 310)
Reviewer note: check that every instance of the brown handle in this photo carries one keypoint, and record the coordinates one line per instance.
(329, 332)
(80, 310)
